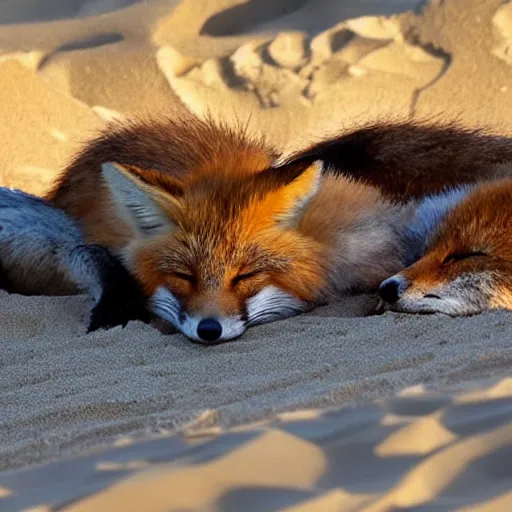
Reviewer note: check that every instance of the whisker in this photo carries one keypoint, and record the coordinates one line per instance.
(163, 305)
(273, 314)
(168, 310)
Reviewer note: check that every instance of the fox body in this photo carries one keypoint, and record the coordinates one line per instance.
(42, 251)
(220, 236)
(467, 266)
(218, 252)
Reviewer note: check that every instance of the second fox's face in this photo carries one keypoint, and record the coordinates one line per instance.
(458, 283)
(224, 253)
(468, 267)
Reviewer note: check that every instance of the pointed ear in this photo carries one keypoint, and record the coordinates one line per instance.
(295, 186)
(142, 198)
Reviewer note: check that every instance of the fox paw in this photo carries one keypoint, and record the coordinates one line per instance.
(111, 312)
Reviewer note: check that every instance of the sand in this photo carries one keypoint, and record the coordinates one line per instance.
(298, 70)
(417, 451)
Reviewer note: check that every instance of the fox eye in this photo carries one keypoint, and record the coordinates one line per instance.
(244, 276)
(459, 256)
(185, 277)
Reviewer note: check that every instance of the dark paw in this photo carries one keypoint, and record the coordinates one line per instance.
(122, 299)
(5, 282)
(112, 311)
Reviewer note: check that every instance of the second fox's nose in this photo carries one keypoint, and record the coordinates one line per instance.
(389, 290)
(209, 330)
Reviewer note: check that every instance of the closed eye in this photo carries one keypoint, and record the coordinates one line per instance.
(244, 276)
(459, 256)
(185, 277)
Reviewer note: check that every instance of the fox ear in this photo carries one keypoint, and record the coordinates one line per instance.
(143, 202)
(297, 184)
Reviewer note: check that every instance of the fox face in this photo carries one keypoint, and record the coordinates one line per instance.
(461, 283)
(468, 267)
(219, 252)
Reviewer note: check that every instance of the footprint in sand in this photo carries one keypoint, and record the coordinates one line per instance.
(368, 46)
(263, 72)
(288, 50)
(273, 83)
(290, 69)
(334, 57)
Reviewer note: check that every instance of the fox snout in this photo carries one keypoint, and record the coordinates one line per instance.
(464, 294)
(392, 288)
(210, 325)
(211, 330)
(203, 326)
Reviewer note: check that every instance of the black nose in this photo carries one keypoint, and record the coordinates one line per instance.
(389, 290)
(209, 329)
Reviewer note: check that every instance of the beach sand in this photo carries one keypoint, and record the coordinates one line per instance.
(295, 70)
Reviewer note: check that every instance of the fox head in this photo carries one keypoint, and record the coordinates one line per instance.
(468, 267)
(220, 251)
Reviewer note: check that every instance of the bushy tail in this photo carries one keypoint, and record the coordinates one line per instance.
(413, 159)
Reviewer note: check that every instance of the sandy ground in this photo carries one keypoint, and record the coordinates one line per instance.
(298, 69)
(417, 451)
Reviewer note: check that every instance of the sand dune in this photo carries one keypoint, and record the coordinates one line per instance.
(298, 69)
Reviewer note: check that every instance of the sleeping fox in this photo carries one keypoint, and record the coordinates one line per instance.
(221, 237)
(467, 267)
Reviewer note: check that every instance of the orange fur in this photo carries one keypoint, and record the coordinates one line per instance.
(227, 226)
(230, 211)
(471, 254)
(167, 150)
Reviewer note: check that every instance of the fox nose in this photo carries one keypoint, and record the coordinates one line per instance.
(391, 289)
(209, 329)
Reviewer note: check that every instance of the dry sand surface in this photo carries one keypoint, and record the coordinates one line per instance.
(418, 451)
(297, 69)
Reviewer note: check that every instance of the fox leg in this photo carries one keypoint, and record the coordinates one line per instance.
(5, 282)
(117, 296)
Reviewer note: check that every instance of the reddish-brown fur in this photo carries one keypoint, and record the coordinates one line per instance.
(226, 228)
(412, 159)
(166, 150)
(480, 225)
(402, 160)
(219, 188)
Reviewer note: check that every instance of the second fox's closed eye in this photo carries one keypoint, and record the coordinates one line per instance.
(459, 256)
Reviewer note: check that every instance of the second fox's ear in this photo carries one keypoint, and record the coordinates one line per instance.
(294, 186)
(144, 203)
